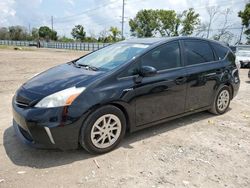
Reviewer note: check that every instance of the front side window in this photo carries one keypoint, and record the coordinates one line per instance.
(197, 52)
(164, 57)
(112, 56)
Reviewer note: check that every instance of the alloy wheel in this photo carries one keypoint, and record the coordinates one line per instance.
(223, 100)
(105, 131)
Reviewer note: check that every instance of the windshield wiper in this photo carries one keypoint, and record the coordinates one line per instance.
(88, 67)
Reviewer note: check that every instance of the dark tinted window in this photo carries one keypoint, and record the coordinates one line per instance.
(198, 52)
(133, 69)
(220, 51)
(164, 57)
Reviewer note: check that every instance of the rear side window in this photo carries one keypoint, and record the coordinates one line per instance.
(198, 52)
(220, 51)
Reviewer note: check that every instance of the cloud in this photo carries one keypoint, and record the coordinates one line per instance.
(103, 14)
(71, 2)
(7, 11)
(19, 12)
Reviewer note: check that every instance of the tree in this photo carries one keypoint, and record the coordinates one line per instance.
(4, 33)
(212, 12)
(115, 33)
(104, 36)
(17, 33)
(53, 35)
(189, 21)
(46, 33)
(245, 19)
(201, 30)
(78, 33)
(148, 23)
(224, 34)
(65, 39)
(35, 33)
(144, 24)
(167, 22)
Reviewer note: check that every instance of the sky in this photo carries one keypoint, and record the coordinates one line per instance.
(99, 15)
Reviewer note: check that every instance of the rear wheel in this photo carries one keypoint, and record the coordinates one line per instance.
(103, 130)
(222, 101)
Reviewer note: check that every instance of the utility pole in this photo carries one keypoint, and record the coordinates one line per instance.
(52, 23)
(29, 29)
(123, 6)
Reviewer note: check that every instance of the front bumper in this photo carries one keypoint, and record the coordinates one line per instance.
(47, 128)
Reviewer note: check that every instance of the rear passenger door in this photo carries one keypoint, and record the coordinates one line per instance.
(202, 72)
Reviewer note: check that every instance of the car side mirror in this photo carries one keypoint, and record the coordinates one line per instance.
(147, 71)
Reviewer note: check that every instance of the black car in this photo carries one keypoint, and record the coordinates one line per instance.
(127, 86)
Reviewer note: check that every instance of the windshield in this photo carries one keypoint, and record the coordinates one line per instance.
(111, 56)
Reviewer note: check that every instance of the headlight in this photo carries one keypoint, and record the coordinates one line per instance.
(61, 98)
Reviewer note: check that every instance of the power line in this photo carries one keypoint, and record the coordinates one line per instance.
(101, 24)
(217, 29)
(88, 10)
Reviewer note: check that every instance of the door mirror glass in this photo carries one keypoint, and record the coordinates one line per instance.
(147, 71)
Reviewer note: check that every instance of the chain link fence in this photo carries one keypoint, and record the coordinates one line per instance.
(58, 45)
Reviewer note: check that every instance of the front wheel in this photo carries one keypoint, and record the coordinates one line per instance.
(103, 130)
(222, 101)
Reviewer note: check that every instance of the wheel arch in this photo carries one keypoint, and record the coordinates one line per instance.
(124, 110)
(231, 89)
(118, 105)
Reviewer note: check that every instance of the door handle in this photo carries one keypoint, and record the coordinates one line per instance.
(180, 80)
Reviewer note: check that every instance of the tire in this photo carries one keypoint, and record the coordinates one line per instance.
(103, 130)
(221, 101)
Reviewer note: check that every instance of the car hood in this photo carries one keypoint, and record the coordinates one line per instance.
(59, 78)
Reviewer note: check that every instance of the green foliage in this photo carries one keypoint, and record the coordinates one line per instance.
(46, 33)
(189, 21)
(4, 33)
(90, 39)
(105, 37)
(245, 18)
(17, 33)
(78, 33)
(167, 23)
(148, 23)
(35, 33)
(20, 33)
(144, 24)
(65, 39)
(115, 33)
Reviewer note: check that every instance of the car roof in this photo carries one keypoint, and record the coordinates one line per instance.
(157, 40)
(146, 40)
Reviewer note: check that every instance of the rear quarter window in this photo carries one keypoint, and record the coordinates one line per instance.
(220, 51)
